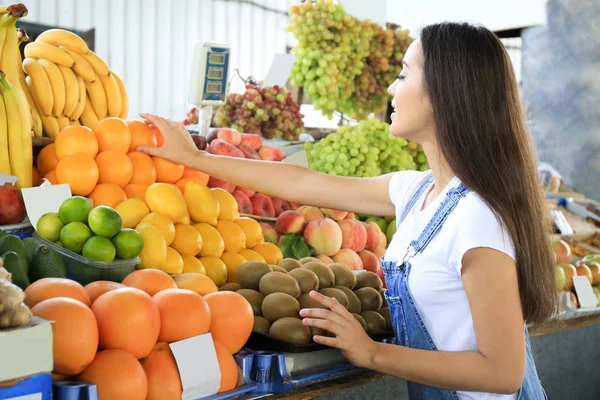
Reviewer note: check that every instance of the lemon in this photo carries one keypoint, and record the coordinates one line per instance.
(166, 199)
(216, 269)
(132, 211)
(270, 252)
(192, 264)
(164, 225)
(251, 255)
(233, 236)
(252, 229)
(174, 263)
(232, 262)
(154, 253)
(201, 203)
(187, 240)
(212, 241)
(228, 206)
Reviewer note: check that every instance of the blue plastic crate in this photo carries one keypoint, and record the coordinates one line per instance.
(36, 385)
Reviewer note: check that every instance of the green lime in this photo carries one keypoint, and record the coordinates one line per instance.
(129, 243)
(105, 221)
(99, 248)
(75, 209)
(58, 243)
(49, 226)
(74, 235)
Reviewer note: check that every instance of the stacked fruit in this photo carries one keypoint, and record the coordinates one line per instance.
(565, 270)
(123, 331)
(13, 311)
(267, 111)
(276, 294)
(70, 84)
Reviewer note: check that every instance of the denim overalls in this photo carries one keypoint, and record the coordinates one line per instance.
(409, 328)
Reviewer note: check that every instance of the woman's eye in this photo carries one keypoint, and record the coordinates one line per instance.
(400, 77)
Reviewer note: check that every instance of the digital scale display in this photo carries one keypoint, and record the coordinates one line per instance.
(216, 58)
(209, 73)
(215, 73)
(214, 87)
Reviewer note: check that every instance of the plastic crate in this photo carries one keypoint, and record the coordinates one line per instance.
(37, 385)
(21, 230)
(84, 271)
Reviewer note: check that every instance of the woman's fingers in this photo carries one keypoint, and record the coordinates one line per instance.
(330, 303)
(325, 324)
(328, 341)
(323, 314)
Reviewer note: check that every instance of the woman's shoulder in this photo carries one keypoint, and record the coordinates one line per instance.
(404, 183)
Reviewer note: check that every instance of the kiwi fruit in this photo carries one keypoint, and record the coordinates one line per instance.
(385, 313)
(306, 278)
(336, 294)
(370, 299)
(359, 318)
(375, 322)
(343, 275)
(274, 282)
(368, 279)
(325, 274)
(230, 287)
(290, 264)
(254, 298)
(277, 268)
(308, 302)
(290, 330)
(248, 274)
(354, 305)
(317, 331)
(309, 259)
(261, 325)
(279, 305)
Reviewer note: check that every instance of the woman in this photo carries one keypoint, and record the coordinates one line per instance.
(471, 260)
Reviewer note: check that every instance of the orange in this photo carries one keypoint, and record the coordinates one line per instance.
(270, 252)
(135, 191)
(107, 194)
(232, 262)
(47, 288)
(36, 179)
(76, 139)
(117, 375)
(182, 182)
(46, 159)
(98, 288)
(114, 167)
(196, 282)
(74, 333)
(141, 134)
(51, 177)
(233, 236)
(167, 171)
(162, 373)
(228, 366)
(112, 134)
(187, 240)
(183, 314)
(80, 171)
(231, 319)
(144, 171)
(128, 320)
(200, 177)
(192, 264)
(149, 280)
(159, 136)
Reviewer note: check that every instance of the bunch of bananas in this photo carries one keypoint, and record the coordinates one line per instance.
(70, 84)
(16, 119)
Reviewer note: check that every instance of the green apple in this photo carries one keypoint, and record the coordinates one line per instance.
(597, 293)
(391, 229)
(561, 278)
(379, 221)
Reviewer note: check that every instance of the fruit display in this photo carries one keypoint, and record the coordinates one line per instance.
(363, 150)
(566, 269)
(13, 311)
(267, 111)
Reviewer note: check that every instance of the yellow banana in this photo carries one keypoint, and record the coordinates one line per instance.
(4, 159)
(81, 67)
(51, 128)
(113, 95)
(58, 85)
(97, 63)
(41, 87)
(63, 122)
(66, 39)
(97, 97)
(88, 117)
(55, 54)
(71, 89)
(80, 101)
(124, 98)
(75, 123)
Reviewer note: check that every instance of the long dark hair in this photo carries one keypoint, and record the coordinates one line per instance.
(481, 131)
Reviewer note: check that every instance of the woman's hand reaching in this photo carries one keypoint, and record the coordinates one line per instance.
(177, 146)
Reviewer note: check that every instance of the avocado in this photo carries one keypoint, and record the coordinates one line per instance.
(290, 330)
(261, 325)
(230, 287)
(343, 275)
(370, 299)
(375, 322)
(336, 294)
(354, 305)
(254, 298)
(13, 243)
(325, 274)
(1, 233)
(46, 263)
(307, 279)
(12, 262)
(31, 244)
(248, 274)
(279, 305)
(368, 279)
(290, 264)
(274, 282)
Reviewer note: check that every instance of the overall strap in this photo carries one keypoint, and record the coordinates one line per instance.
(411, 203)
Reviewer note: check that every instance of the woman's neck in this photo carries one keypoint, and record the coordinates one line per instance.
(442, 173)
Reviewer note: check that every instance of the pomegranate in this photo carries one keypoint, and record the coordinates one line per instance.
(12, 208)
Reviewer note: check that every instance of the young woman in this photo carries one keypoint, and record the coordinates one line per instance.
(471, 260)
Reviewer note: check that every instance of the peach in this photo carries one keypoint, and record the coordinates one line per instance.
(270, 234)
(222, 148)
(212, 134)
(217, 183)
(294, 206)
(253, 140)
(230, 136)
(262, 205)
(280, 206)
(310, 213)
(325, 259)
(375, 239)
(354, 234)
(271, 153)
(383, 239)
(379, 252)
(290, 222)
(349, 258)
(247, 192)
(369, 260)
(334, 214)
(350, 216)
(243, 201)
(324, 235)
(249, 152)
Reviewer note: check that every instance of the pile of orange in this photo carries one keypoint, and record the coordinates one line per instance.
(102, 163)
(117, 335)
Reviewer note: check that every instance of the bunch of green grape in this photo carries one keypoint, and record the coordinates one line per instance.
(331, 51)
(363, 150)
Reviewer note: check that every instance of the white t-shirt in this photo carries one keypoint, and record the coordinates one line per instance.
(435, 279)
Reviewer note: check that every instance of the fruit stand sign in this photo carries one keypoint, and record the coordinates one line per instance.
(44, 199)
(198, 366)
(7, 179)
(280, 70)
(585, 293)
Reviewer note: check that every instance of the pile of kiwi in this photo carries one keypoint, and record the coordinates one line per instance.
(277, 293)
